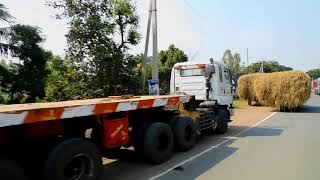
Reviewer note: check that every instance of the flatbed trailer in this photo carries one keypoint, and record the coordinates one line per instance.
(65, 140)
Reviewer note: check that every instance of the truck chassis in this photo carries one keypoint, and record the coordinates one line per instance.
(66, 140)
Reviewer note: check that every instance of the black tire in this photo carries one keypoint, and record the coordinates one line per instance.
(9, 170)
(138, 138)
(184, 134)
(222, 121)
(76, 158)
(158, 143)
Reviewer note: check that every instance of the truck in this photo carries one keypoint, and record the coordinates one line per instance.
(210, 84)
(66, 140)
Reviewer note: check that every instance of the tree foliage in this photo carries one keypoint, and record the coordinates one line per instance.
(268, 66)
(5, 81)
(100, 34)
(314, 73)
(64, 82)
(4, 14)
(4, 31)
(167, 59)
(232, 61)
(31, 70)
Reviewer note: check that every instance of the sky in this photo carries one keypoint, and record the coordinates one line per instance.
(287, 31)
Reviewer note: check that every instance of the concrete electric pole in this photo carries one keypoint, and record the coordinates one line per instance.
(155, 71)
(152, 17)
(247, 57)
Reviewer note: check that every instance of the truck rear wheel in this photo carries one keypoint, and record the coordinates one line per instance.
(9, 170)
(73, 159)
(158, 143)
(184, 133)
(222, 121)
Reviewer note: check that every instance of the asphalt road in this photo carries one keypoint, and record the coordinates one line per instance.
(281, 146)
(285, 146)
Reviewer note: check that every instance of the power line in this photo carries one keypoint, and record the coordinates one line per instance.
(194, 10)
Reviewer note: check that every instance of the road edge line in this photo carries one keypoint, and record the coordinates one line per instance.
(209, 149)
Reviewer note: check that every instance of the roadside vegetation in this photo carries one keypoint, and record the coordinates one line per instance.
(98, 61)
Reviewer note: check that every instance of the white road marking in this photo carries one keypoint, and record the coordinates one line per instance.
(209, 149)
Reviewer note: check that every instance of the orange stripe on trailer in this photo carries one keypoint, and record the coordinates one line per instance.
(173, 101)
(43, 115)
(145, 104)
(105, 108)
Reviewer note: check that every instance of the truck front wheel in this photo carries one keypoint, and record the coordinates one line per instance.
(158, 143)
(74, 159)
(222, 121)
(184, 133)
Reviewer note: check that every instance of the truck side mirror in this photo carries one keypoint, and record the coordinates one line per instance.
(209, 69)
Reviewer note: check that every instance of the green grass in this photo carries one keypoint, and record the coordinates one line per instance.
(237, 103)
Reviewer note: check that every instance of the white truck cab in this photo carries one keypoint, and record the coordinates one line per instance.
(190, 78)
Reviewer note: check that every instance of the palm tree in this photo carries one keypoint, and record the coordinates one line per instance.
(4, 14)
(4, 31)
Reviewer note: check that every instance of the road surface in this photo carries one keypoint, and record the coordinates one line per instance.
(276, 146)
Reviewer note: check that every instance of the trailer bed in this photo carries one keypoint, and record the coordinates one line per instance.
(37, 112)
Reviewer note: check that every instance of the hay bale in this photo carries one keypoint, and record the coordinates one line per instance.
(245, 87)
(292, 90)
(287, 90)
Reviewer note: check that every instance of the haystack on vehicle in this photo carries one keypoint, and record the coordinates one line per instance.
(286, 91)
(316, 86)
(66, 140)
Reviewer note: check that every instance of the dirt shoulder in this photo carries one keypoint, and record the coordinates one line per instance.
(246, 115)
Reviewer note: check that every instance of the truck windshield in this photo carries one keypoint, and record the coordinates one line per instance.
(192, 72)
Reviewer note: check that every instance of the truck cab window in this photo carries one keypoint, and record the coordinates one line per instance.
(191, 72)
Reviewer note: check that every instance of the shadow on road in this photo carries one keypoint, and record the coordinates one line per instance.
(129, 165)
(132, 166)
(310, 109)
(262, 131)
(202, 164)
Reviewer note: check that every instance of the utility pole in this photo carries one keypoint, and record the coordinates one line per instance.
(247, 57)
(261, 67)
(155, 71)
(152, 17)
(146, 50)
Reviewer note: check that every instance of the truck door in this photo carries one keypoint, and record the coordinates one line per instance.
(221, 82)
(225, 92)
(227, 82)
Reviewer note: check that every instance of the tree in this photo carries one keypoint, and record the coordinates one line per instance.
(232, 61)
(236, 67)
(4, 17)
(268, 66)
(100, 34)
(314, 73)
(167, 59)
(4, 14)
(227, 57)
(64, 82)
(31, 73)
(5, 81)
